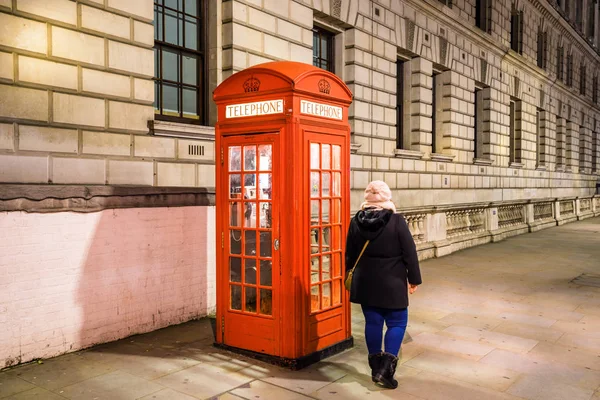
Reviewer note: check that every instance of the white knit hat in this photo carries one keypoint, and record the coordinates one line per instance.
(379, 196)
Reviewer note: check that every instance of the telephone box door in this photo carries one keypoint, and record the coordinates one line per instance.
(251, 242)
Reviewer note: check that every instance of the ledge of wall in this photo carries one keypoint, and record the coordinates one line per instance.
(91, 198)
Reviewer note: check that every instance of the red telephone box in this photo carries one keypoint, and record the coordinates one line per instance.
(282, 213)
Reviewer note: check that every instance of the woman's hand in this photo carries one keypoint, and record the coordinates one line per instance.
(412, 288)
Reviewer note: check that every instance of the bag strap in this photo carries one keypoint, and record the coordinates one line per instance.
(361, 253)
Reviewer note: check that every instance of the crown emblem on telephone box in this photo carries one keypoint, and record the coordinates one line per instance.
(251, 85)
(324, 86)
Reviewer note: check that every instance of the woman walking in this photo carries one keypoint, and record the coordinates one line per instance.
(384, 274)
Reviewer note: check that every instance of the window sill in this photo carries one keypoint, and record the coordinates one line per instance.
(559, 168)
(483, 161)
(410, 154)
(442, 157)
(354, 147)
(541, 167)
(180, 130)
(516, 165)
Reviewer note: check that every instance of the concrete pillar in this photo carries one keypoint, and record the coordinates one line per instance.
(557, 209)
(436, 227)
(491, 219)
(529, 214)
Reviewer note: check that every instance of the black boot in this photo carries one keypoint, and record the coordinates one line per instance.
(375, 364)
(385, 374)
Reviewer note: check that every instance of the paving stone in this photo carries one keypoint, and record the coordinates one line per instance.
(307, 380)
(163, 362)
(167, 394)
(436, 387)
(511, 306)
(263, 390)
(498, 340)
(590, 342)
(34, 394)
(472, 320)
(204, 381)
(10, 384)
(536, 388)
(548, 369)
(115, 385)
(586, 326)
(461, 348)
(350, 388)
(529, 331)
(527, 319)
(60, 372)
(568, 355)
(474, 372)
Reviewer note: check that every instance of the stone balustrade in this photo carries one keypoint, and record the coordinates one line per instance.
(441, 230)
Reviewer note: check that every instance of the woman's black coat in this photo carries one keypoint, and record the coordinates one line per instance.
(389, 261)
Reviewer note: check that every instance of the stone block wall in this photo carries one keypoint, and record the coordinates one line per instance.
(441, 44)
(76, 95)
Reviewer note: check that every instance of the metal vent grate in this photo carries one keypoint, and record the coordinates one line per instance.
(195, 150)
(587, 280)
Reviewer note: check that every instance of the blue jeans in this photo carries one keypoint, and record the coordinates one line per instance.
(395, 320)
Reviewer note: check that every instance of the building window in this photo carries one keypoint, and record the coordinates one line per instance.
(446, 2)
(323, 49)
(542, 49)
(179, 60)
(582, 142)
(561, 139)
(595, 146)
(569, 80)
(483, 15)
(516, 30)
(560, 66)
(436, 111)
(538, 143)
(595, 89)
(579, 14)
(582, 79)
(591, 22)
(514, 137)
(400, 104)
(478, 117)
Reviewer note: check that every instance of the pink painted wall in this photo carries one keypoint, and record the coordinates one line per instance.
(69, 280)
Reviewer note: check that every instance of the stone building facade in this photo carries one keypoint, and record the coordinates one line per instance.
(481, 115)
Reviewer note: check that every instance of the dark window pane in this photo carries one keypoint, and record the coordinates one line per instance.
(250, 271)
(250, 244)
(236, 297)
(250, 300)
(157, 63)
(235, 269)
(266, 276)
(265, 244)
(170, 60)
(156, 95)
(324, 46)
(266, 302)
(170, 99)
(176, 4)
(191, 34)
(190, 103)
(173, 28)
(190, 70)
(158, 28)
(191, 7)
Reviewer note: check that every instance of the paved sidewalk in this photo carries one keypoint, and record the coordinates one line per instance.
(500, 321)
